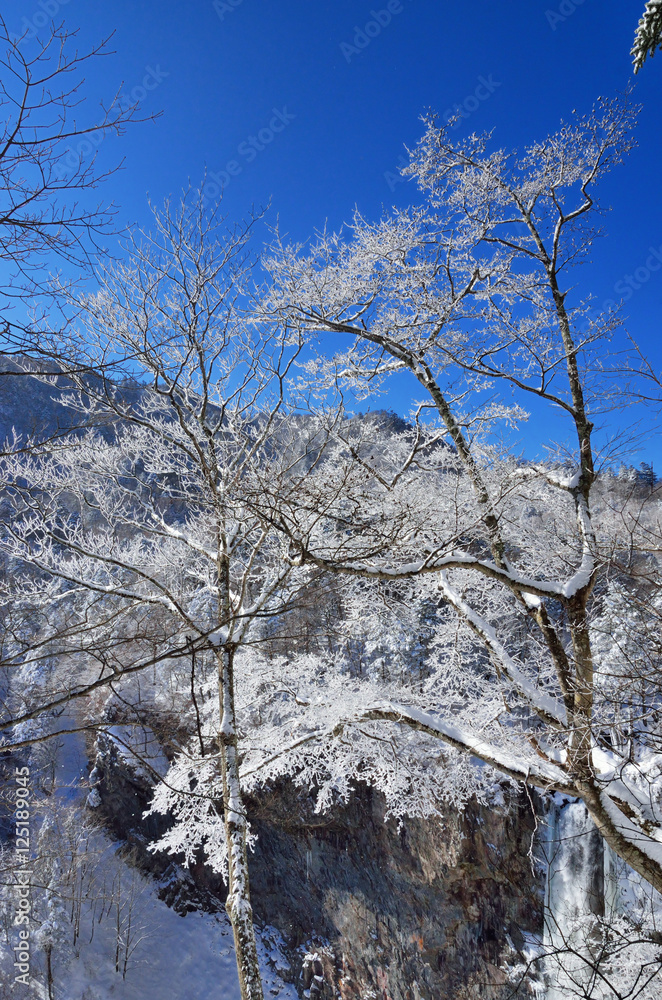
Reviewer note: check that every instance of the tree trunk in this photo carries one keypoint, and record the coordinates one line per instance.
(238, 904)
(622, 845)
(49, 972)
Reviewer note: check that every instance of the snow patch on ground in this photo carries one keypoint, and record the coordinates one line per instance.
(170, 956)
(141, 749)
(174, 956)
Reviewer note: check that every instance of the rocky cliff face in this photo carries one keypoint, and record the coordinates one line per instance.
(423, 909)
(367, 908)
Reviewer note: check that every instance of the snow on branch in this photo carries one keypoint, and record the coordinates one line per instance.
(648, 36)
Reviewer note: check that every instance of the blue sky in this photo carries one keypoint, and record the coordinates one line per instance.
(287, 104)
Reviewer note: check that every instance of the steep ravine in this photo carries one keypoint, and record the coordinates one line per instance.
(421, 910)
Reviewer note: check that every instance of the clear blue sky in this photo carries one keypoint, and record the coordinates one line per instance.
(219, 74)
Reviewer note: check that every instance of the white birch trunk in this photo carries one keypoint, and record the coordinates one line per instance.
(238, 904)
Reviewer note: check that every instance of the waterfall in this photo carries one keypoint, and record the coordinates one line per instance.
(580, 883)
(589, 889)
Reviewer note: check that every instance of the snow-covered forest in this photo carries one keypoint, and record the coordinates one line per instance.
(293, 685)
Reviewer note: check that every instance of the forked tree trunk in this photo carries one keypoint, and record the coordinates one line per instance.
(238, 904)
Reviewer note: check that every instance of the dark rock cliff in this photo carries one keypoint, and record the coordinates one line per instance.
(420, 909)
(424, 909)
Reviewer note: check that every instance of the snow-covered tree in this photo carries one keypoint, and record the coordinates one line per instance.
(648, 36)
(379, 600)
(144, 529)
(48, 166)
(53, 920)
(53, 930)
(470, 295)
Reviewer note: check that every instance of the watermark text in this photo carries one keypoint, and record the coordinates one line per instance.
(22, 876)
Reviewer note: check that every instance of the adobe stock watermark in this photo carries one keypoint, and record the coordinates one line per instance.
(626, 286)
(481, 93)
(453, 118)
(247, 151)
(223, 7)
(394, 177)
(73, 156)
(565, 10)
(379, 19)
(46, 11)
(22, 876)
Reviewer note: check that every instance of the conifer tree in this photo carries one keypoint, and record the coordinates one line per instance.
(648, 36)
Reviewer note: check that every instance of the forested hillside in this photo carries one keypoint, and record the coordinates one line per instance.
(392, 861)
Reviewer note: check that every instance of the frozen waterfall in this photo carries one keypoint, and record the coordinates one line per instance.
(581, 888)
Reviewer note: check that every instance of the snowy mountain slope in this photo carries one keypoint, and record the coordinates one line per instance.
(157, 952)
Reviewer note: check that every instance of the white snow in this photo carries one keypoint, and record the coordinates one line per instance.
(140, 748)
(175, 957)
(474, 744)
